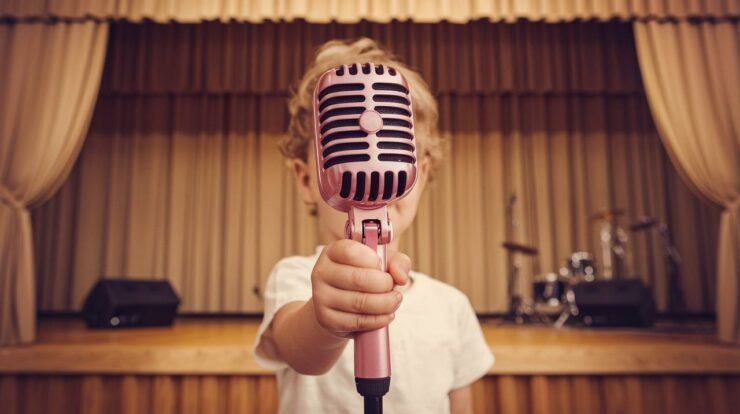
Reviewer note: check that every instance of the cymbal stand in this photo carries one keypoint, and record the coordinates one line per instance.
(673, 262)
(613, 241)
(672, 259)
(519, 311)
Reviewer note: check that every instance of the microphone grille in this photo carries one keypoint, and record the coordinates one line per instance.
(365, 133)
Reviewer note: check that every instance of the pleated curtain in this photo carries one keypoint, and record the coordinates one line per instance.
(692, 80)
(50, 76)
(181, 177)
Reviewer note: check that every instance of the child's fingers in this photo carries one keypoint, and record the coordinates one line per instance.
(354, 278)
(344, 322)
(360, 302)
(399, 266)
(352, 253)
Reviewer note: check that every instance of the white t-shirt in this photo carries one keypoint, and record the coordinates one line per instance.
(436, 346)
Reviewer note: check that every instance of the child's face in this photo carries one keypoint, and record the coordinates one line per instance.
(331, 221)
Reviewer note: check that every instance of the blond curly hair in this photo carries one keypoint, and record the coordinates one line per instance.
(429, 142)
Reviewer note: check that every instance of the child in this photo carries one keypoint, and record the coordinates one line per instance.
(314, 304)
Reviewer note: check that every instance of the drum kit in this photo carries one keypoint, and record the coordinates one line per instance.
(553, 300)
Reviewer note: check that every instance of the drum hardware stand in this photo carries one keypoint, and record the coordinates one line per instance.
(520, 310)
(570, 309)
(672, 259)
(673, 263)
(613, 241)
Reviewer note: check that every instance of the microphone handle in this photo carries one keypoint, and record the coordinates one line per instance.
(372, 349)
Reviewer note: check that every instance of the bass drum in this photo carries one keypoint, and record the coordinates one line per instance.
(548, 293)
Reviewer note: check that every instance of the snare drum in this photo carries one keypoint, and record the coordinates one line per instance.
(581, 265)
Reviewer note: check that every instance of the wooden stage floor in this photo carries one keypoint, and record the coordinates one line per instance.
(221, 346)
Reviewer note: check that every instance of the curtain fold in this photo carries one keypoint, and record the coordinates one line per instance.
(50, 75)
(181, 178)
(692, 78)
(379, 11)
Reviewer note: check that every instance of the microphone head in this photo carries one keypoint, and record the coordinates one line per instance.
(364, 136)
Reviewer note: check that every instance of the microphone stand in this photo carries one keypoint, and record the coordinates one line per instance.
(373, 405)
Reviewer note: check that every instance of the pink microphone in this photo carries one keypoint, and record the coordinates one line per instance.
(366, 159)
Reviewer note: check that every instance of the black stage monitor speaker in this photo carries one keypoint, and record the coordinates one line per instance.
(119, 303)
(615, 303)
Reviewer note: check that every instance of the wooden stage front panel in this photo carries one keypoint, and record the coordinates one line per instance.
(204, 367)
(505, 394)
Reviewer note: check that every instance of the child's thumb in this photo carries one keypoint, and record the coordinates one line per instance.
(399, 266)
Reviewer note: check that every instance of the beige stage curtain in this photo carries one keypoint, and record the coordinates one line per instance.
(692, 80)
(181, 178)
(50, 77)
(379, 11)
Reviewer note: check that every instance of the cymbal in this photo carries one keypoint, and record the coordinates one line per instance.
(519, 248)
(607, 214)
(643, 224)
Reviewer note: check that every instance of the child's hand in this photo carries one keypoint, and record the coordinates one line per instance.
(351, 293)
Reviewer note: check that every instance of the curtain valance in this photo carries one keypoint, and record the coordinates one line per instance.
(380, 11)
(477, 58)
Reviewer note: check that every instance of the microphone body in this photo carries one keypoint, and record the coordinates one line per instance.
(366, 159)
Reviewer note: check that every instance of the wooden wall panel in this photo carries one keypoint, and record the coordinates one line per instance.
(143, 394)
(137, 394)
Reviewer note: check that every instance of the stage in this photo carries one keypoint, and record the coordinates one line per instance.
(203, 364)
(563, 157)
